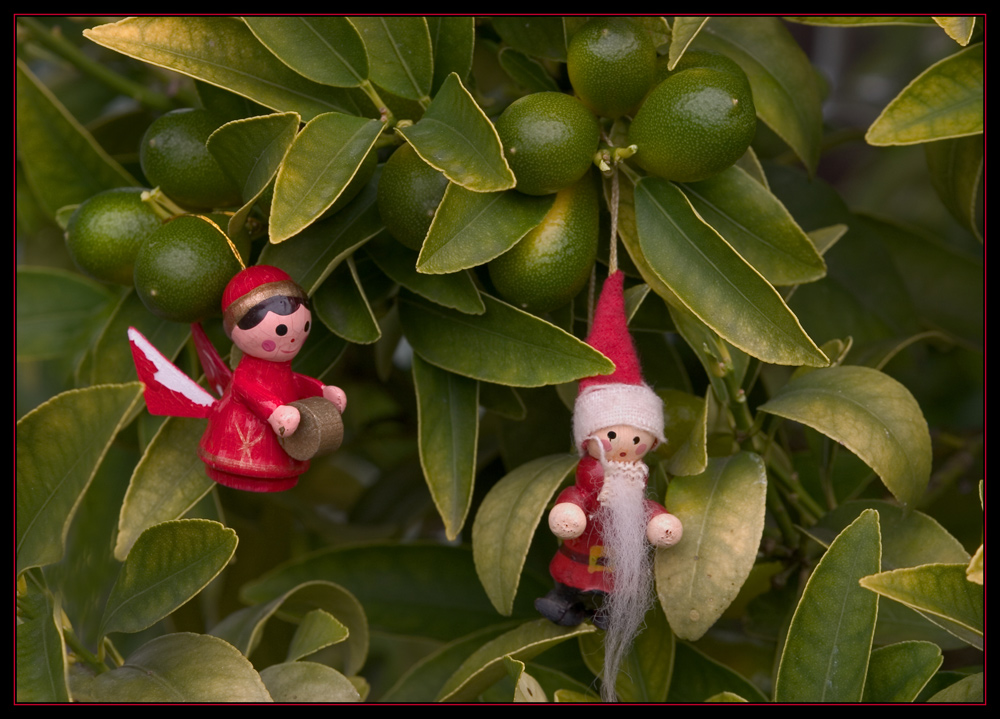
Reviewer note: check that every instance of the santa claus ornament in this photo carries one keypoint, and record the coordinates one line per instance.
(603, 569)
(269, 421)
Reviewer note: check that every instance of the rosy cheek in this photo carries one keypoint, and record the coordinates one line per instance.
(268, 346)
(640, 450)
(606, 444)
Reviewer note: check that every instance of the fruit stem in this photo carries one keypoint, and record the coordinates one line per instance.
(163, 206)
(384, 111)
(54, 41)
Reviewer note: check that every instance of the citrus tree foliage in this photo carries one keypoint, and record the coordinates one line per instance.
(812, 316)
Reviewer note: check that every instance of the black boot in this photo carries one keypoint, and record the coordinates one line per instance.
(562, 606)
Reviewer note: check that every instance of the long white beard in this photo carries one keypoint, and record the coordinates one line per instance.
(623, 516)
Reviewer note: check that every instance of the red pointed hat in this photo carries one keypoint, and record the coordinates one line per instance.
(621, 397)
(252, 286)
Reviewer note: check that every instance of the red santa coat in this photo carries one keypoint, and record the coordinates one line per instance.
(580, 563)
(239, 448)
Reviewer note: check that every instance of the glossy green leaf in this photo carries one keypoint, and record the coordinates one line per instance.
(453, 39)
(537, 36)
(506, 523)
(958, 28)
(341, 304)
(41, 658)
(826, 237)
(869, 413)
(62, 162)
(112, 354)
(325, 49)
(456, 290)
(939, 591)
(726, 698)
(322, 161)
(503, 345)
(956, 168)
(859, 21)
(826, 652)
(683, 32)
(223, 52)
(486, 666)
(168, 481)
(757, 226)
(629, 235)
(697, 677)
(316, 251)
(526, 687)
(685, 420)
(60, 444)
(526, 71)
(448, 429)
(722, 511)
(379, 574)
(250, 151)
(898, 672)
(786, 89)
(182, 668)
(166, 567)
(399, 54)
(969, 690)
(714, 282)
(977, 566)
(298, 682)
(244, 629)
(945, 100)
(909, 538)
(455, 137)
(424, 679)
(471, 228)
(57, 311)
(317, 630)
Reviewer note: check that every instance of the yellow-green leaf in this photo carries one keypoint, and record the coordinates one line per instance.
(826, 653)
(168, 481)
(59, 446)
(872, 415)
(223, 52)
(298, 682)
(448, 429)
(939, 591)
(722, 511)
(166, 567)
(507, 521)
(945, 100)
(325, 49)
(455, 137)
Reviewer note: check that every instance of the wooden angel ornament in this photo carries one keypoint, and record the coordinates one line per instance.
(603, 569)
(268, 421)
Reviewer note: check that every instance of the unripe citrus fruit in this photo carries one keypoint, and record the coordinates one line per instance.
(175, 158)
(183, 268)
(694, 124)
(549, 140)
(551, 264)
(611, 61)
(409, 192)
(105, 233)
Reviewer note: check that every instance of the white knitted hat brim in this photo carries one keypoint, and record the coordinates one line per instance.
(607, 405)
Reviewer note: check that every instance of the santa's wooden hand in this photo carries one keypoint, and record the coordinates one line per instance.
(567, 521)
(284, 420)
(664, 530)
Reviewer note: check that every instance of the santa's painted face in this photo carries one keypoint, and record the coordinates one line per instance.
(621, 443)
(276, 337)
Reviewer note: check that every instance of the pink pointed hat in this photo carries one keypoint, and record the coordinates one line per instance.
(621, 398)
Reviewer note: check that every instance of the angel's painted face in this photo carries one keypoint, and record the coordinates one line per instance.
(274, 334)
